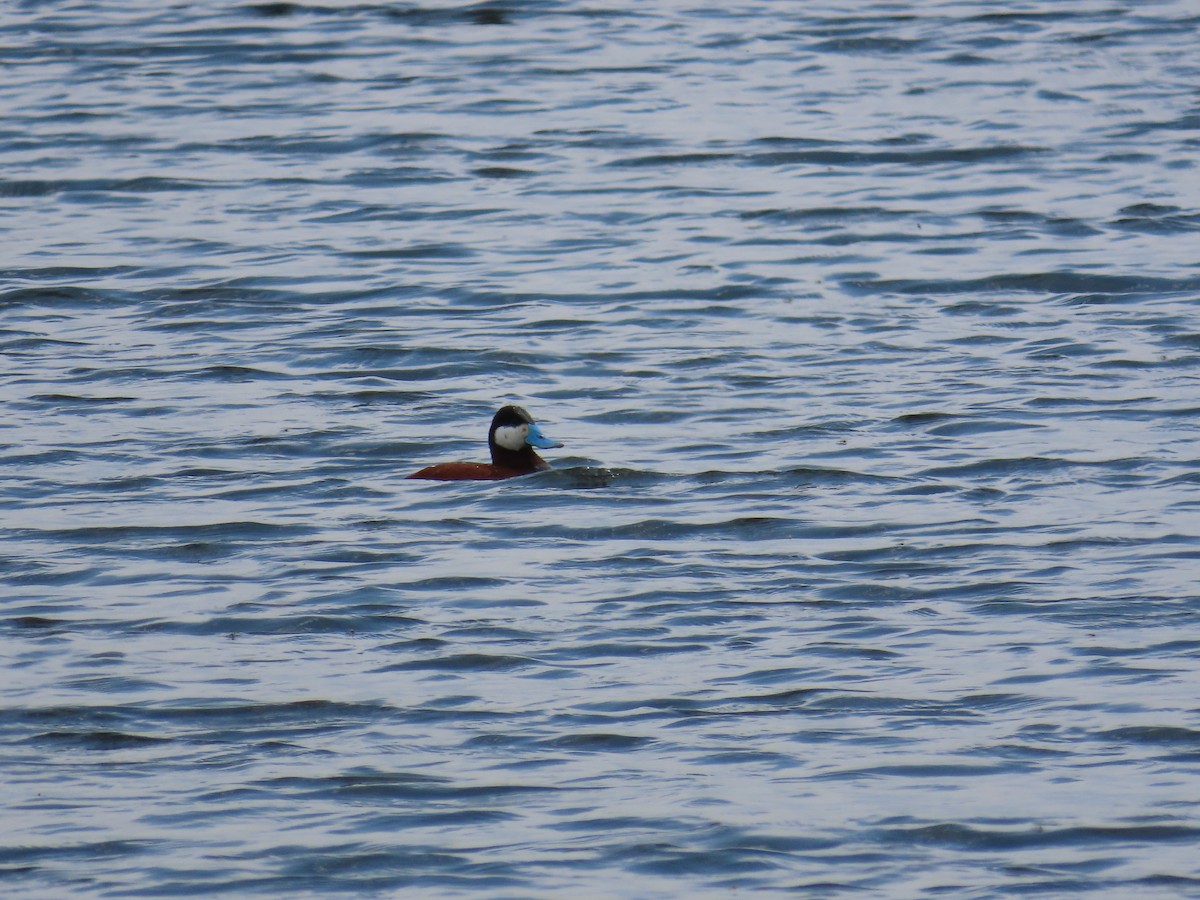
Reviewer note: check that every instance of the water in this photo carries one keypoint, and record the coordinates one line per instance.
(870, 563)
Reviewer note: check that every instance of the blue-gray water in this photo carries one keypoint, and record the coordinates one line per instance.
(870, 566)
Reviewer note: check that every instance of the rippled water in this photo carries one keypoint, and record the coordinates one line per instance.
(871, 562)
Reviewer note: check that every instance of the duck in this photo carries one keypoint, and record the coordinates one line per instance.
(512, 439)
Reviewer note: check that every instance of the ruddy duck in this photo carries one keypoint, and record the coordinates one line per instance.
(511, 439)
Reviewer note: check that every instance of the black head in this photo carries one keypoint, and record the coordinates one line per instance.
(513, 436)
(510, 416)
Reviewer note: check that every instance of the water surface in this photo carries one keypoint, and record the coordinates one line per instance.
(869, 565)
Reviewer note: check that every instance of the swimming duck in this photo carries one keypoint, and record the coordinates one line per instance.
(511, 439)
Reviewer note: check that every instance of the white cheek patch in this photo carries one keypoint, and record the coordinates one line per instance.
(512, 437)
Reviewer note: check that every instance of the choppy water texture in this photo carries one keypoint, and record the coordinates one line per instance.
(870, 565)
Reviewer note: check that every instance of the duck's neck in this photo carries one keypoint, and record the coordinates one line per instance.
(523, 460)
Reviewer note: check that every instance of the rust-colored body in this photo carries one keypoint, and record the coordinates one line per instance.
(477, 471)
